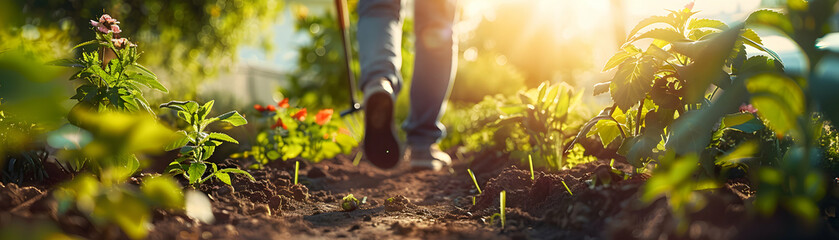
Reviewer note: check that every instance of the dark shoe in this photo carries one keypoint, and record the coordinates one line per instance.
(427, 157)
(380, 145)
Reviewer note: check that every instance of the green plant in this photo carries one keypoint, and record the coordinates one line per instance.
(544, 116)
(123, 205)
(111, 73)
(292, 133)
(472, 175)
(197, 145)
(669, 79)
(296, 171)
(349, 203)
(503, 209)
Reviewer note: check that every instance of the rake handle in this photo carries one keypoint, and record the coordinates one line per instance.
(343, 26)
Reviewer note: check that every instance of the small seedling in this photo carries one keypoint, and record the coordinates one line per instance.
(503, 208)
(350, 203)
(530, 160)
(357, 159)
(197, 145)
(474, 181)
(296, 169)
(566, 188)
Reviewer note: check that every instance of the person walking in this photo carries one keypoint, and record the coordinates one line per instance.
(379, 39)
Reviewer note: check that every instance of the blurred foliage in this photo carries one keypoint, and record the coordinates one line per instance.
(107, 143)
(321, 78)
(189, 40)
(123, 205)
(482, 77)
(513, 37)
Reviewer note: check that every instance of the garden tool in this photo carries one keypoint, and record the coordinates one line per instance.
(343, 26)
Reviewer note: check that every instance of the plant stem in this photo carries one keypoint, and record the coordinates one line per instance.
(296, 169)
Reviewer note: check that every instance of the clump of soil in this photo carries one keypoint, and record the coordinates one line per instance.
(398, 203)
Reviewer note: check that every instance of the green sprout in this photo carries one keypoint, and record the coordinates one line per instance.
(503, 208)
(296, 169)
(566, 188)
(530, 160)
(357, 159)
(474, 181)
(349, 203)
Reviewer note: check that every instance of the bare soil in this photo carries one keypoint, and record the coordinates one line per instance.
(434, 205)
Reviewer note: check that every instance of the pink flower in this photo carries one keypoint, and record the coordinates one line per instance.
(689, 6)
(122, 42)
(106, 24)
(115, 28)
(748, 108)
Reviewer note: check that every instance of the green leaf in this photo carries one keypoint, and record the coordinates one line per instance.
(771, 18)
(757, 45)
(223, 137)
(203, 111)
(233, 117)
(512, 109)
(143, 69)
(85, 44)
(778, 99)
(632, 81)
(208, 152)
(195, 172)
(739, 156)
(619, 57)
(736, 119)
(148, 81)
(751, 126)
(292, 151)
(668, 35)
(163, 191)
(224, 177)
(697, 23)
(601, 88)
(69, 62)
(649, 21)
(182, 140)
(238, 171)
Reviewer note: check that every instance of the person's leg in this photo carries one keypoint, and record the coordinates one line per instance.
(434, 68)
(380, 40)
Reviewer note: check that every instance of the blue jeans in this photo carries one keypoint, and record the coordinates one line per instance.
(379, 40)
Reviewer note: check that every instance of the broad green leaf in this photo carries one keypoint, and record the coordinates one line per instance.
(771, 18)
(223, 137)
(607, 130)
(739, 156)
(668, 35)
(649, 21)
(632, 81)
(203, 111)
(736, 119)
(148, 81)
(750, 126)
(778, 99)
(757, 45)
(619, 57)
(208, 152)
(163, 191)
(550, 98)
(195, 172)
(601, 88)
(292, 151)
(181, 140)
(658, 53)
(224, 177)
(234, 118)
(698, 23)
(143, 69)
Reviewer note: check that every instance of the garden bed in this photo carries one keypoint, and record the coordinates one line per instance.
(425, 205)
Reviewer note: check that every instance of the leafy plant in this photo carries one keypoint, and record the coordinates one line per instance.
(123, 205)
(111, 73)
(543, 115)
(670, 79)
(197, 145)
(293, 134)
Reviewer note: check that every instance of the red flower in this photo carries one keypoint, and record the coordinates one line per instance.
(270, 108)
(258, 107)
(279, 123)
(300, 115)
(283, 103)
(326, 136)
(323, 116)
